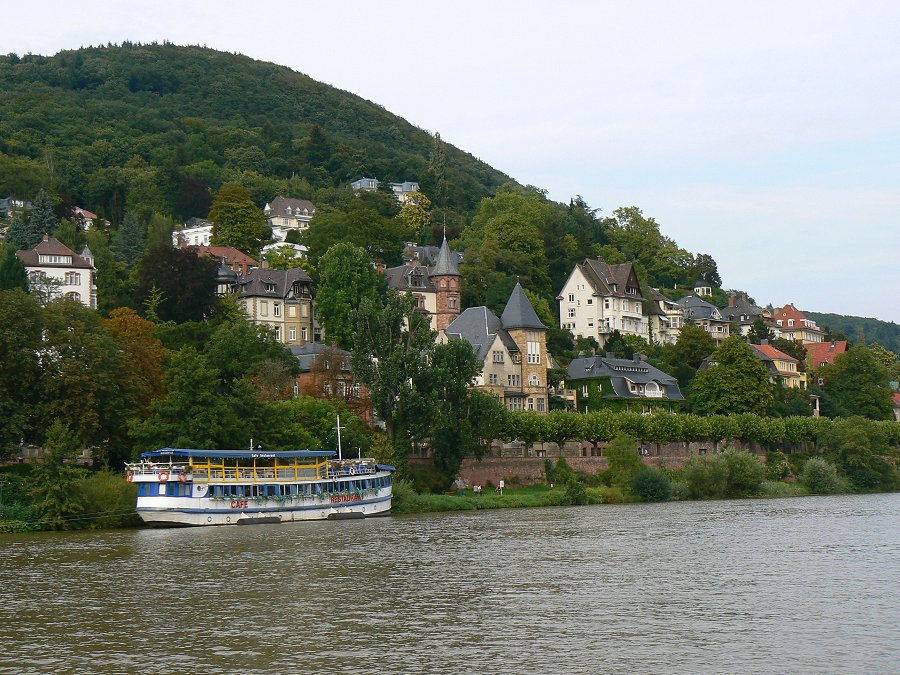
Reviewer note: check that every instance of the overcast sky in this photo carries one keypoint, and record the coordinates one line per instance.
(764, 133)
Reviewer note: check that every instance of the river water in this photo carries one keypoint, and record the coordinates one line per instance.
(786, 585)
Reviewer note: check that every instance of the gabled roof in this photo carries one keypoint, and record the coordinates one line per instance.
(280, 205)
(519, 312)
(695, 308)
(621, 372)
(602, 276)
(410, 278)
(769, 353)
(445, 265)
(479, 327)
(230, 253)
(255, 281)
(308, 353)
(52, 246)
(823, 352)
(742, 307)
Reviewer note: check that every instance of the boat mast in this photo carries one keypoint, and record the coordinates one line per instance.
(339, 427)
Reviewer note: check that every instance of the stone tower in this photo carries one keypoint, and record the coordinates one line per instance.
(447, 285)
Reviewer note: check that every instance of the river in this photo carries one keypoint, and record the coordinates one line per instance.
(781, 585)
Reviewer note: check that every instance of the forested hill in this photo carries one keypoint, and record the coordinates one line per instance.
(861, 330)
(160, 127)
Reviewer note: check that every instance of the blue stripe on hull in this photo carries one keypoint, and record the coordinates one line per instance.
(279, 509)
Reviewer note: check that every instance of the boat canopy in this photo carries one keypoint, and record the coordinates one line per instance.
(238, 454)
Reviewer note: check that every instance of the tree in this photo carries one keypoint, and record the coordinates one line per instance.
(12, 271)
(391, 339)
(23, 234)
(70, 234)
(346, 276)
(282, 258)
(759, 331)
(21, 325)
(238, 221)
(380, 236)
(705, 268)
(414, 214)
(858, 449)
(185, 281)
(42, 219)
(736, 382)
(129, 246)
(624, 460)
(144, 351)
(857, 384)
(651, 485)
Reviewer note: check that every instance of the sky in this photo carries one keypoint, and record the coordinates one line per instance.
(766, 134)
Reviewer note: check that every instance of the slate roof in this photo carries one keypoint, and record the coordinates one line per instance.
(742, 307)
(52, 246)
(308, 353)
(656, 297)
(280, 205)
(602, 276)
(428, 254)
(620, 372)
(519, 313)
(695, 308)
(254, 282)
(410, 278)
(479, 327)
(445, 265)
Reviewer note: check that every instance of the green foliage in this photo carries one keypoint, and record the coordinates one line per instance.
(346, 277)
(238, 221)
(185, 283)
(857, 384)
(745, 472)
(576, 493)
(42, 219)
(624, 460)
(737, 383)
(777, 466)
(651, 485)
(821, 477)
(106, 501)
(282, 258)
(861, 449)
(12, 271)
(774, 489)
(759, 331)
(706, 476)
(129, 244)
(865, 331)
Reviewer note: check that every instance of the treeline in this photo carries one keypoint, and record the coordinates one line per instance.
(860, 330)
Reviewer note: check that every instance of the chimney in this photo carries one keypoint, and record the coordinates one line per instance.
(264, 264)
(732, 301)
(46, 237)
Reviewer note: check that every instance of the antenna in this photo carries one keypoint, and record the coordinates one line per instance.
(339, 427)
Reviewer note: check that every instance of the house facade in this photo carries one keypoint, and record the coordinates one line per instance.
(664, 318)
(54, 270)
(599, 298)
(195, 232)
(622, 384)
(512, 350)
(741, 314)
(437, 288)
(281, 300)
(325, 373)
(705, 315)
(783, 369)
(793, 325)
(285, 214)
(819, 354)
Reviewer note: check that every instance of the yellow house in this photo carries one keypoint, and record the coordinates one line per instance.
(783, 369)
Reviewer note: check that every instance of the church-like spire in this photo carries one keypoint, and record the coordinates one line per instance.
(445, 265)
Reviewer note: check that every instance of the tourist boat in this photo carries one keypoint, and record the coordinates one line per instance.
(242, 487)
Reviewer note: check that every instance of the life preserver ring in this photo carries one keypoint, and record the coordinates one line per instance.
(129, 476)
(352, 470)
(163, 476)
(182, 476)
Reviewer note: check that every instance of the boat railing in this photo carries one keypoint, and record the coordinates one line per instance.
(151, 469)
(205, 474)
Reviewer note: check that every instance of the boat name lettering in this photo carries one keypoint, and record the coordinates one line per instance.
(337, 499)
(262, 454)
(239, 503)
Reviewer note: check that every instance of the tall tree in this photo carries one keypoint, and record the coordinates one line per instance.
(857, 384)
(12, 271)
(238, 221)
(187, 282)
(23, 234)
(129, 245)
(42, 218)
(735, 382)
(21, 326)
(144, 351)
(759, 331)
(346, 276)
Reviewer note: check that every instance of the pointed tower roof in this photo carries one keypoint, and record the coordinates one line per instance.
(519, 313)
(445, 265)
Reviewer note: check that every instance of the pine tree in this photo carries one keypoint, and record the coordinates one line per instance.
(130, 243)
(12, 272)
(20, 236)
(43, 219)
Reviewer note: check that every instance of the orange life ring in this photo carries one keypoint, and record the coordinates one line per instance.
(182, 476)
(129, 476)
(163, 476)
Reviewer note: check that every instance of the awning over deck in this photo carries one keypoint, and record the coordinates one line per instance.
(238, 454)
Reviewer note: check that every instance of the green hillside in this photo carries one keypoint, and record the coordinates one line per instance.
(860, 329)
(160, 127)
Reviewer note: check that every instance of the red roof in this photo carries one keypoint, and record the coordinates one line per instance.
(790, 312)
(84, 212)
(772, 353)
(230, 254)
(897, 400)
(824, 352)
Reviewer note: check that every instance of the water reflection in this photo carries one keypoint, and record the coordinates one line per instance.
(769, 586)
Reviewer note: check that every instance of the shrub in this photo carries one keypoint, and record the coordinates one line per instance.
(706, 476)
(612, 495)
(561, 473)
(576, 493)
(680, 491)
(745, 472)
(651, 485)
(821, 477)
(777, 466)
(624, 459)
(404, 496)
(773, 488)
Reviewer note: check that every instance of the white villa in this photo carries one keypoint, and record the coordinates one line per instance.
(54, 270)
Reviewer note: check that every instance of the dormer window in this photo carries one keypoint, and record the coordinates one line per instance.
(270, 288)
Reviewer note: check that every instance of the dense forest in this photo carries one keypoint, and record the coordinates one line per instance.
(159, 128)
(860, 329)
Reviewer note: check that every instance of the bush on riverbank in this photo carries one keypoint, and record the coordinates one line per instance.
(821, 477)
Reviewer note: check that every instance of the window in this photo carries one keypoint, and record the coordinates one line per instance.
(514, 404)
(74, 296)
(584, 390)
(293, 334)
(590, 301)
(304, 310)
(625, 306)
(571, 297)
(531, 404)
(276, 309)
(493, 378)
(605, 303)
(452, 303)
(355, 389)
(571, 312)
(303, 334)
(498, 356)
(278, 333)
(296, 389)
(264, 308)
(270, 288)
(534, 381)
(73, 279)
(292, 311)
(540, 405)
(590, 323)
(533, 348)
(513, 380)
